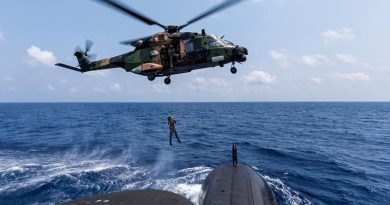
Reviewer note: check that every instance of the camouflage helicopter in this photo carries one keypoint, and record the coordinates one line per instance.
(167, 53)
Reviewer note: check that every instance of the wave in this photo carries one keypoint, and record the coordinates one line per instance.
(72, 179)
(55, 182)
(283, 193)
(288, 195)
(82, 172)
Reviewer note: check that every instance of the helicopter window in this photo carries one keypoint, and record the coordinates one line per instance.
(226, 42)
(214, 41)
(190, 47)
(193, 45)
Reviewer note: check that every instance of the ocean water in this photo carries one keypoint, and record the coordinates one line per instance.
(309, 153)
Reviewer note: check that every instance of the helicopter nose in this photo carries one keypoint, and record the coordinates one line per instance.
(245, 51)
(239, 53)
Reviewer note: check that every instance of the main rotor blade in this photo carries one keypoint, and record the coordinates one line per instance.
(131, 42)
(213, 10)
(132, 12)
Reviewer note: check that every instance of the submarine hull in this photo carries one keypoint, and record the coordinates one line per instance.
(226, 185)
(236, 184)
(134, 197)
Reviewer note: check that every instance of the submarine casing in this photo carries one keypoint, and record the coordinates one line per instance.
(226, 185)
(236, 185)
(133, 197)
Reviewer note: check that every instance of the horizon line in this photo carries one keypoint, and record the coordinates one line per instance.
(21, 102)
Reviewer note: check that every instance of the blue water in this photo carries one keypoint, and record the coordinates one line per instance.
(309, 153)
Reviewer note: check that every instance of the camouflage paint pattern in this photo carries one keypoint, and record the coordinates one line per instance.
(149, 57)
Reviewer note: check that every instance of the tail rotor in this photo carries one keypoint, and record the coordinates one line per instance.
(83, 58)
(79, 52)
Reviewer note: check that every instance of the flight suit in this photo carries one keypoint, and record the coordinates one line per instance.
(172, 130)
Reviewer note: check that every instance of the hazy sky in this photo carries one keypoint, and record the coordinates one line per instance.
(299, 50)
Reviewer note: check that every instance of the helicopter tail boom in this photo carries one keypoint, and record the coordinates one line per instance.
(84, 63)
(83, 58)
(69, 67)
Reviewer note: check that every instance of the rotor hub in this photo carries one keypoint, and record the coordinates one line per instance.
(172, 29)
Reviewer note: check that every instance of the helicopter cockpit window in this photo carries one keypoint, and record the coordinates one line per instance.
(214, 41)
(226, 42)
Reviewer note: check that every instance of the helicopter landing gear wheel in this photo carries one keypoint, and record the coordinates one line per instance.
(233, 70)
(167, 80)
(151, 76)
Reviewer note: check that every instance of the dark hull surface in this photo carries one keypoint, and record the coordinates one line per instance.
(238, 185)
(225, 185)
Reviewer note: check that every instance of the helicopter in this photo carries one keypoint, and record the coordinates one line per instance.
(166, 53)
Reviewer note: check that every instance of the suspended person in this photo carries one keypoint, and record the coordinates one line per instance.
(172, 130)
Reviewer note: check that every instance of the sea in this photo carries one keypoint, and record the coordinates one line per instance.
(309, 153)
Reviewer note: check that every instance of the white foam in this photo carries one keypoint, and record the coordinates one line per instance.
(189, 191)
(48, 172)
(186, 182)
(13, 169)
(292, 196)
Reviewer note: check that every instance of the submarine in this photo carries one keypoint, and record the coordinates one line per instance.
(228, 184)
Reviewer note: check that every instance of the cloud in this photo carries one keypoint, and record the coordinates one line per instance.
(2, 37)
(346, 58)
(116, 87)
(314, 60)
(50, 87)
(73, 90)
(279, 3)
(310, 61)
(8, 79)
(198, 83)
(332, 36)
(38, 55)
(98, 73)
(358, 76)
(260, 77)
(316, 80)
(280, 57)
(220, 83)
(160, 88)
(98, 90)
(285, 61)
(201, 83)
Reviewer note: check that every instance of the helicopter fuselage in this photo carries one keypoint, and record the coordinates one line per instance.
(165, 54)
(169, 54)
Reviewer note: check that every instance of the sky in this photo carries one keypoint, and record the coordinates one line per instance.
(299, 50)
